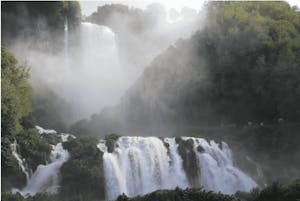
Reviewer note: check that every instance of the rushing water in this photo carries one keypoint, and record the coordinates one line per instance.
(217, 170)
(19, 159)
(140, 165)
(46, 177)
(66, 41)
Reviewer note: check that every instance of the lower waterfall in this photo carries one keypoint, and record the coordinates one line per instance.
(19, 159)
(45, 179)
(139, 165)
(216, 168)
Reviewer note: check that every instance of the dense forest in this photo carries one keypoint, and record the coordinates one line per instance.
(29, 19)
(237, 79)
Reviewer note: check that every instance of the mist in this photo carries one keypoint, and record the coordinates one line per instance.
(92, 66)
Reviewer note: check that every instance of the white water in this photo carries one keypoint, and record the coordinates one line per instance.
(45, 131)
(19, 159)
(216, 169)
(141, 165)
(46, 177)
(66, 41)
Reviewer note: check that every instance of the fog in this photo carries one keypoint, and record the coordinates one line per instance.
(91, 67)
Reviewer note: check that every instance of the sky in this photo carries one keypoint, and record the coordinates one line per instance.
(88, 7)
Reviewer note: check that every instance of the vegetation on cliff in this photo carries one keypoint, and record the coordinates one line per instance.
(239, 74)
(35, 20)
(82, 175)
(16, 123)
(275, 192)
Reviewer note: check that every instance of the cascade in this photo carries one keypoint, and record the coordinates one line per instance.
(93, 70)
(216, 168)
(46, 177)
(66, 41)
(139, 165)
(19, 159)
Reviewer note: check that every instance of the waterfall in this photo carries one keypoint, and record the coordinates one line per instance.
(93, 70)
(139, 165)
(46, 177)
(19, 159)
(216, 168)
(66, 41)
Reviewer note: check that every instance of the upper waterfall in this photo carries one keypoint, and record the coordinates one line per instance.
(94, 69)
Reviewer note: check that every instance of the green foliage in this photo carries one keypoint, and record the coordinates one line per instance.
(15, 94)
(72, 10)
(252, 50)
(7, 196)
(44, 197)
(51, 138)
(242, 66)
(29, 19)
(111, 140)
(82, 174)
(121, 18)
(11, 173)
(180, 195)
(279, 192)
(275, 192)
(15, 106)
(33, 148)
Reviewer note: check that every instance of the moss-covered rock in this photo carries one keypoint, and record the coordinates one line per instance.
(83, 174)
(200, 149)
(7, 196)
(111, 140)
(51, 138)
(11, 173)
(190, 165)
(33, 148)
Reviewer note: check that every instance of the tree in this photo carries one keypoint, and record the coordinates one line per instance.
(16, 94)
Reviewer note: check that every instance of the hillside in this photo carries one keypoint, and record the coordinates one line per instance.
(238, 80)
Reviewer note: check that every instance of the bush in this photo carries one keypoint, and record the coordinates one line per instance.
(82, 174)
(111, 140)
(11, 173)
(33, 148)
(15, 94)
